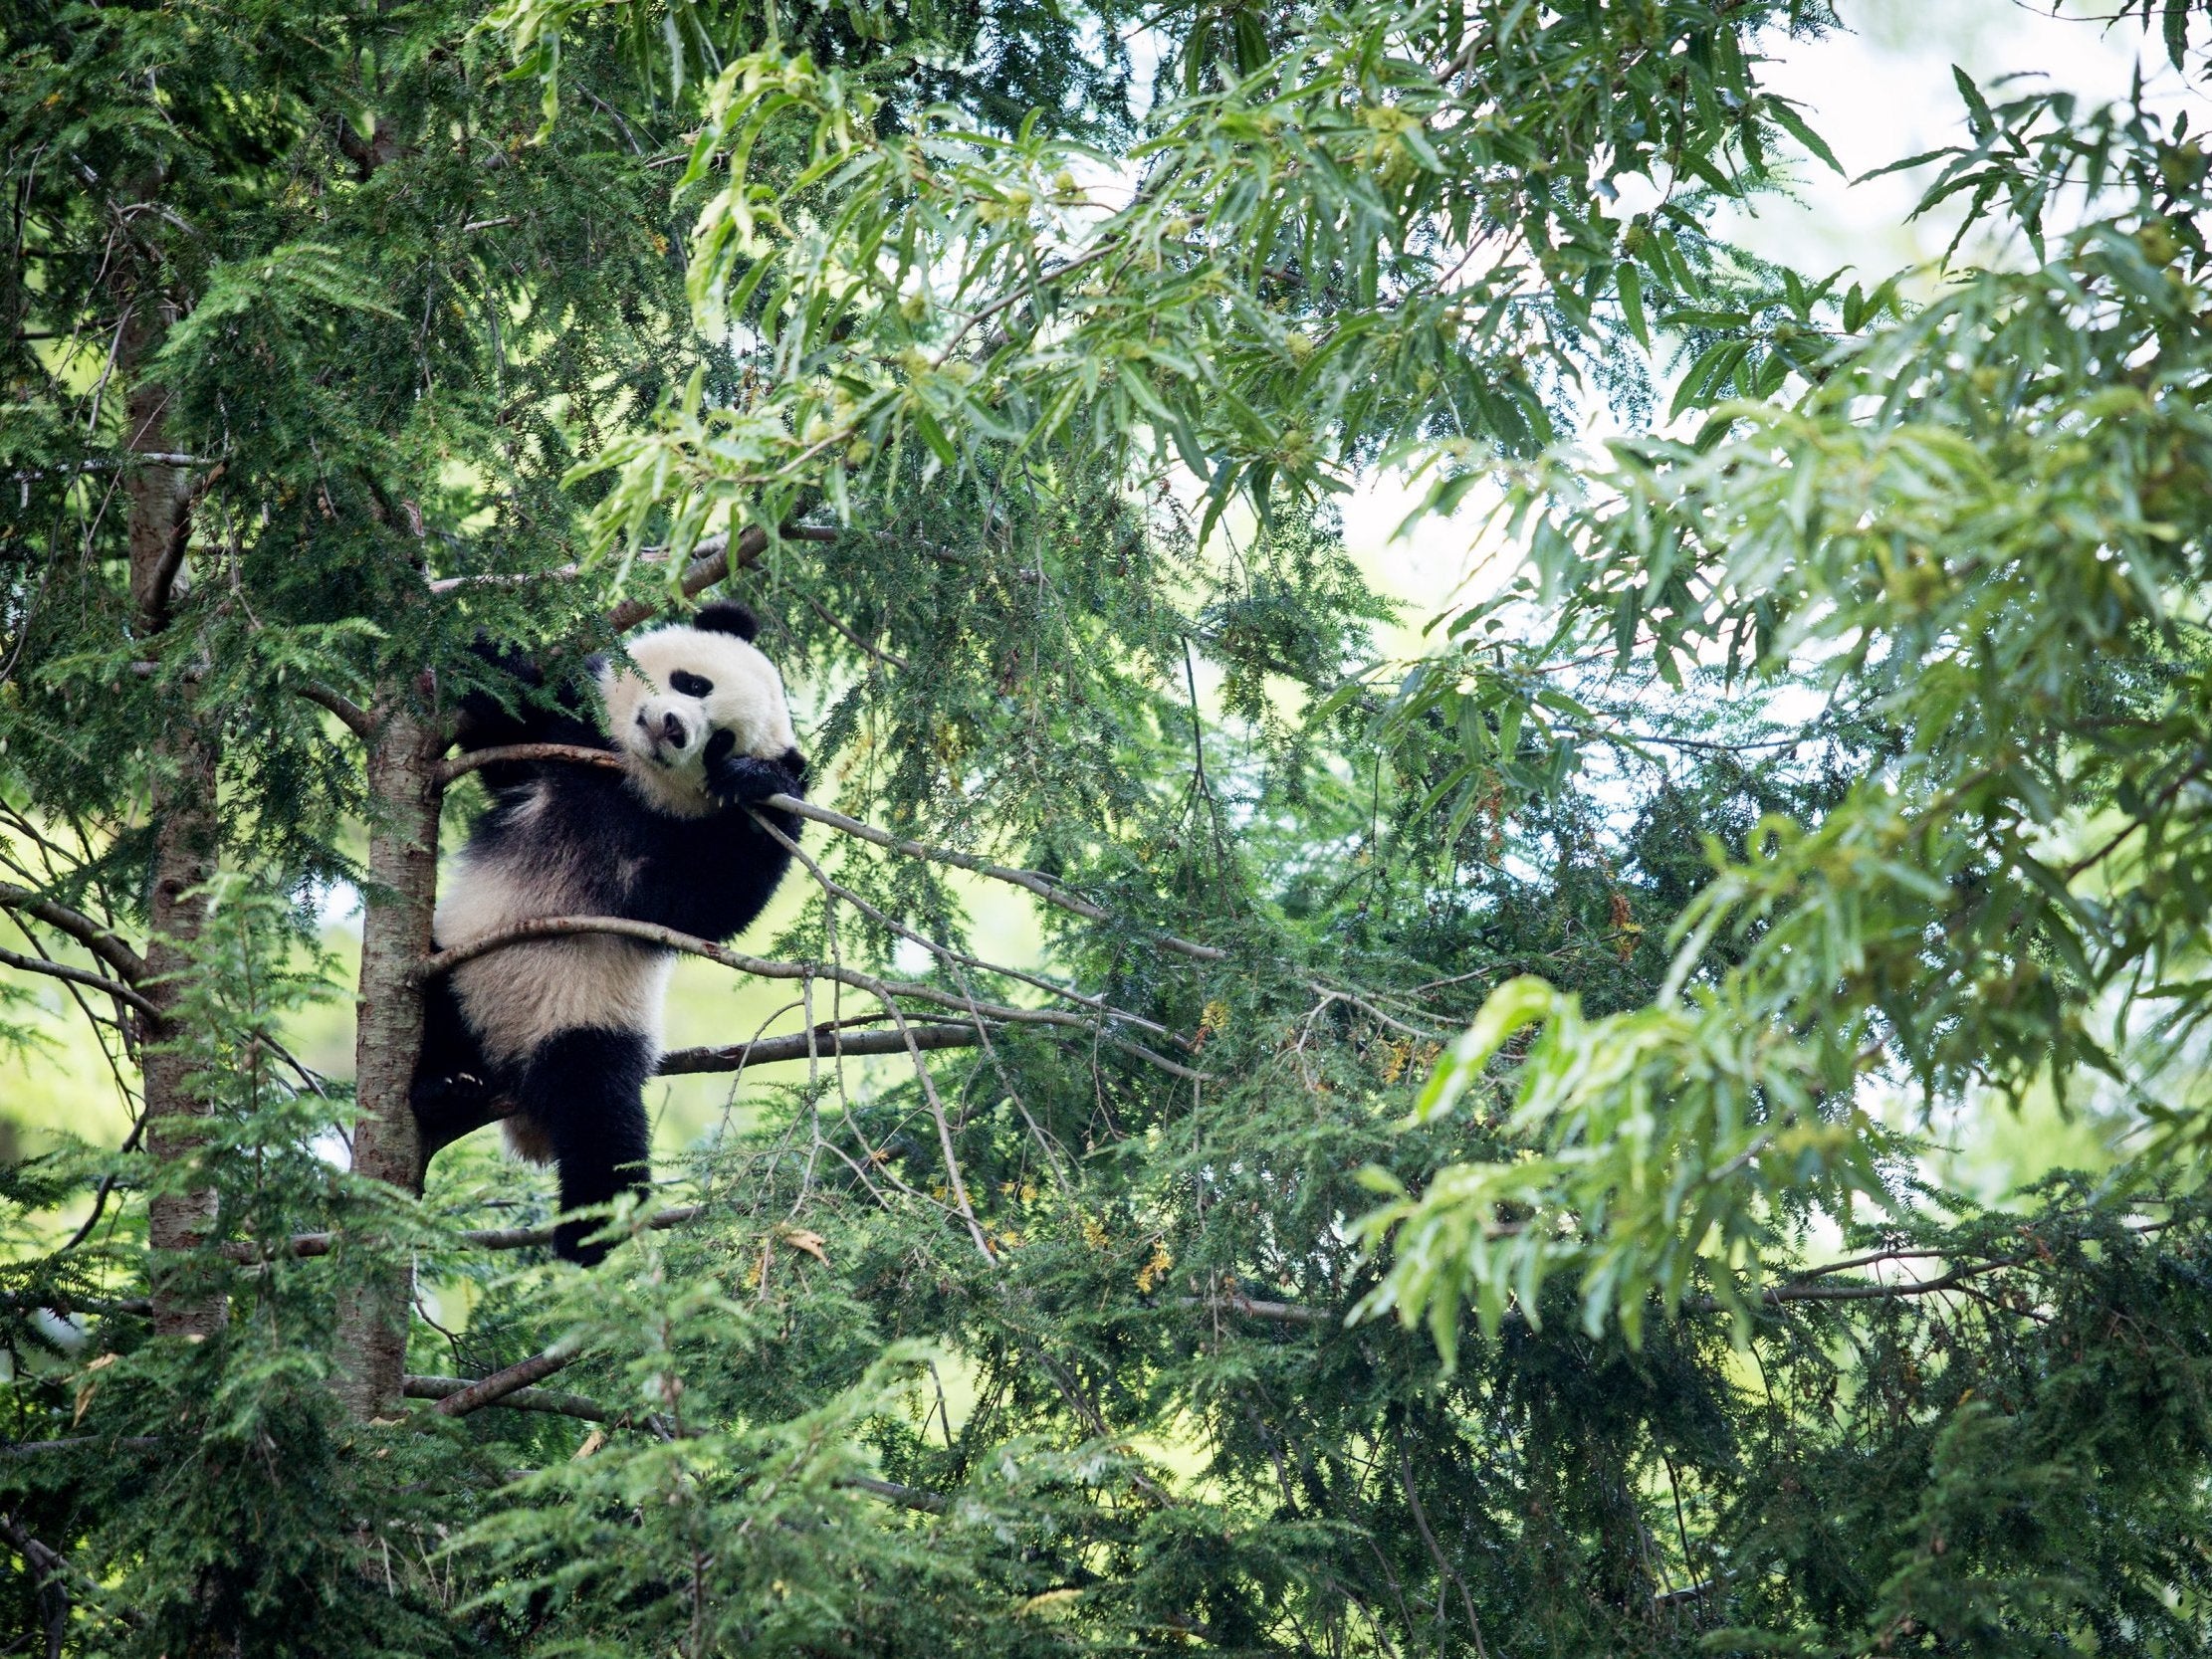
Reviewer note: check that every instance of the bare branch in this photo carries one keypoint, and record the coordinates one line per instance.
(1279, 1312)
(824, 1041)
(460, 765)
(485, 1390)
(101, 942)
(80, 976)
(64, 1305)
(516, 1399)
(894, 1491)
(81, 1442)
(1777, 1296)
(710, 565)
(47, 1569)
(350, 715)
(1799, 1289)
(668, 938)
(137, 458)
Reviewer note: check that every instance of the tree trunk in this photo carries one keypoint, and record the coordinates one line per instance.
(184, 837)
(404, 793)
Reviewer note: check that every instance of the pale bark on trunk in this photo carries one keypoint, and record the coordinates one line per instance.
(183, 812)
(404, 793)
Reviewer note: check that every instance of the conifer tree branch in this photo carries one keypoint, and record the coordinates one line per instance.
(1802, 1287)
(489, 1238)
(548, 1400)
(489, 1389)
(350, 715)
(80, 976)
(101, 941)
(460, 765)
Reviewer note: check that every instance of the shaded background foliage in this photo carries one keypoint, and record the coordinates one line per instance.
(1072, 382)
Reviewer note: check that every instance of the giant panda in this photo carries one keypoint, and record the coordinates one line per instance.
(558, 1036)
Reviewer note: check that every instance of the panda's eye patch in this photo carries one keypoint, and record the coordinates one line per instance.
(684, 683)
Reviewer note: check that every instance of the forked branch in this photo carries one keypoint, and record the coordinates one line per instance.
(101, 941)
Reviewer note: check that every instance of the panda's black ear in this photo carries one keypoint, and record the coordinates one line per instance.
(726, 616)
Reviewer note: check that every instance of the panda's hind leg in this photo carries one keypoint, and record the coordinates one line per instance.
(456, 1088)
(583, 1091)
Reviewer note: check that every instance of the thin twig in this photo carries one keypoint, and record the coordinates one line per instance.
(1279, 1313)
(1043, 886)
(80, 976)
(944, 953)
(1435, 1550)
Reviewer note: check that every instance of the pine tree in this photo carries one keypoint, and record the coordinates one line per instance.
(1039, 1305)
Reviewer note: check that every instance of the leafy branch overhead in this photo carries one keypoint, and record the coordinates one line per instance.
(1346, 251)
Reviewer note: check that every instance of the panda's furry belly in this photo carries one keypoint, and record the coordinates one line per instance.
(516, 998)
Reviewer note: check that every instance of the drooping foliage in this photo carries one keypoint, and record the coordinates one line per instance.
(1584, 992)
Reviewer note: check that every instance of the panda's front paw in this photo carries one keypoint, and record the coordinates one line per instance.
(746, 781)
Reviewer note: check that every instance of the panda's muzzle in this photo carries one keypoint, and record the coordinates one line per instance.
(670, 731)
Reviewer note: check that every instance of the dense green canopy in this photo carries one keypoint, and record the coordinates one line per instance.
(1448, 1168)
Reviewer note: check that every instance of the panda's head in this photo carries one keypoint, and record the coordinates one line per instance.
(698, 690)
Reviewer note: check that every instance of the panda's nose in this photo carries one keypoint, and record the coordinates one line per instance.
(672, 729)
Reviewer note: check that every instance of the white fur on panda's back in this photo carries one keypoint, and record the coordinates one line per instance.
(516, 997)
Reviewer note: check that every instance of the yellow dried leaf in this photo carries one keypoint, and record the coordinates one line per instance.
(89, 1387)
(1154, 1270)
(798, 1238)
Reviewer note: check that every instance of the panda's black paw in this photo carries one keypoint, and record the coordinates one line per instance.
(451, 1100)
(746, 781)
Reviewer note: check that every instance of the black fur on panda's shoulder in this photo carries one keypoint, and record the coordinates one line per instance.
(707, 875)
(527, 714)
